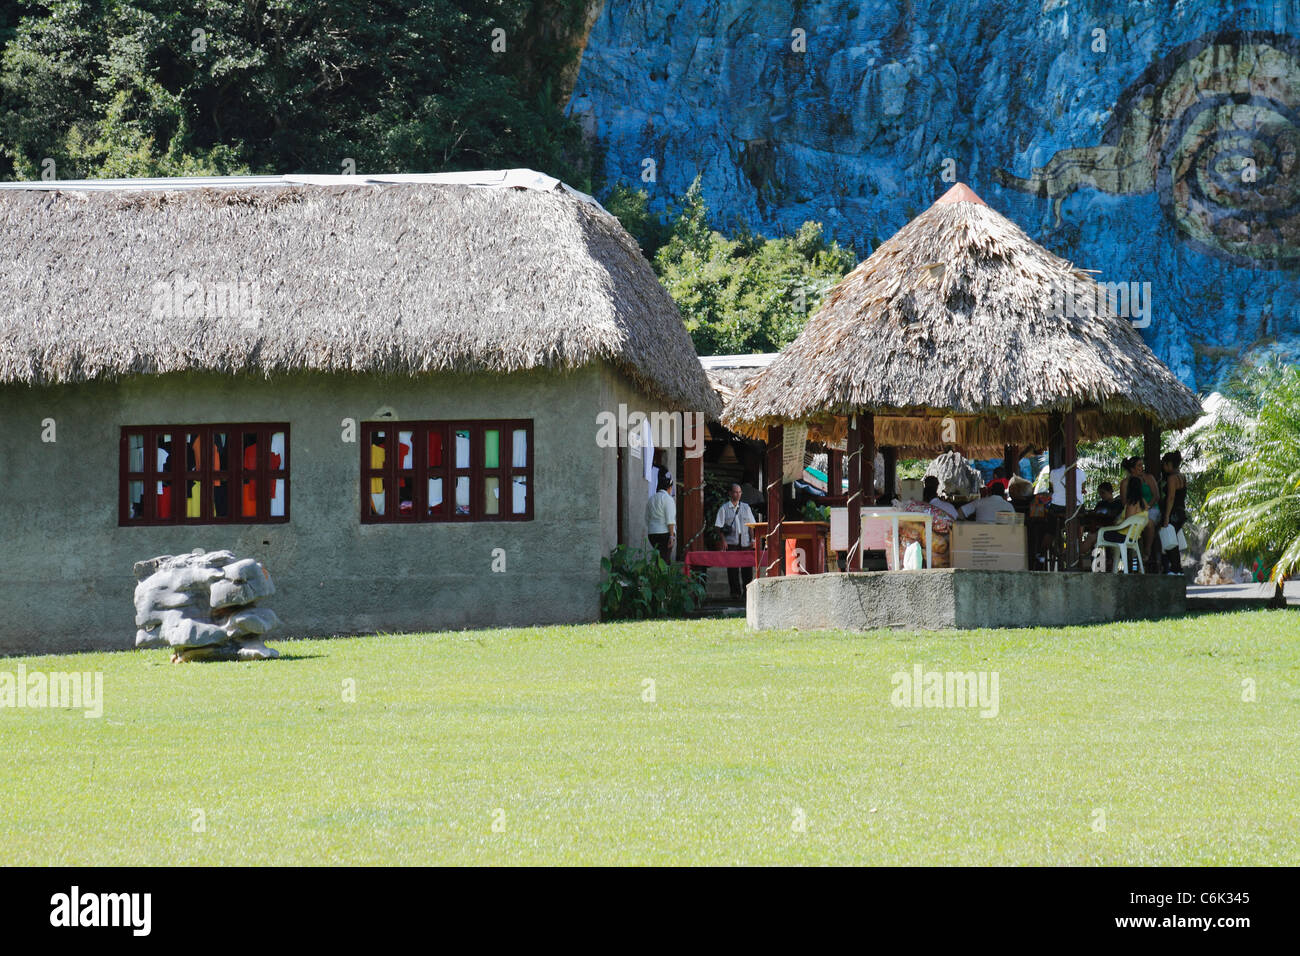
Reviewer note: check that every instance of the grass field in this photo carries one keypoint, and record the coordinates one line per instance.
(547, 734)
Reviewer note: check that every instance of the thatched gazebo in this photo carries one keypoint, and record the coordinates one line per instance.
(962, 331)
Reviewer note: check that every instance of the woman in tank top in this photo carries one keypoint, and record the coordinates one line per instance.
(1175, 507)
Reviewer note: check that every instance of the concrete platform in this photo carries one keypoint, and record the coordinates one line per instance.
(946, 598)
(1235, 597)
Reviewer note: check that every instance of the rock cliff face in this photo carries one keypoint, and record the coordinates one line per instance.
(1155, 142)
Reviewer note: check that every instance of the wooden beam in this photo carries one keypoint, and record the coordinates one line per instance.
(867, 426)
(772, 475)
(854, 502)
(834, 473)
(1071, 459)
(890, 454)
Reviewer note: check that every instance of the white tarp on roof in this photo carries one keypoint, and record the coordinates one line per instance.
(485, 178)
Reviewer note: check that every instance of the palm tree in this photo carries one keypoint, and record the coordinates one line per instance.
(1258, 509)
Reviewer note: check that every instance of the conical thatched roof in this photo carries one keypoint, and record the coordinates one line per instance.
(960, 314)
(402, 275)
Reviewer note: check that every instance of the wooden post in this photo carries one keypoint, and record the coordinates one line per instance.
(834, 473)
(867, 426)
(1011, 460)
(620, 495)
(772, 475)
(693, 501)
(890, 454)
(1151, 450)
(1071, 459)
(1054, 428)
(854, 502)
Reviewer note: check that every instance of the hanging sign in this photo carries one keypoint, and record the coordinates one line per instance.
(796, 437)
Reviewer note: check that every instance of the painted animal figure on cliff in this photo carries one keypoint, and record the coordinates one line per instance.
(1214, 128)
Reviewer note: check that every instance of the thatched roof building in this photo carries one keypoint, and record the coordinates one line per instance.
(381, 388)
(961, 315)
(394, 274)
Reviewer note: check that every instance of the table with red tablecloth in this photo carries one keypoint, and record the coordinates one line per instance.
(719, 559)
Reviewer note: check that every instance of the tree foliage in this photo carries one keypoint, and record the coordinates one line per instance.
(1252, 454)
(1101, 460)
(164, 87)
(737, 295)
(632, 209)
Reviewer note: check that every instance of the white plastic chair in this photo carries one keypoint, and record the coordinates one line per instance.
(1132, 528)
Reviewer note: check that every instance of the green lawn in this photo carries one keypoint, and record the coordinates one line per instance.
(1143, 721)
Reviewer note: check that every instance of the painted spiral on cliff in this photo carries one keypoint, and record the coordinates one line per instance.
(1214, 129)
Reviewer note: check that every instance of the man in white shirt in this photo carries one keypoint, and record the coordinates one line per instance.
(661, 518)
(733, 517)
(930, 495)
(985, 510)
(1059, 487)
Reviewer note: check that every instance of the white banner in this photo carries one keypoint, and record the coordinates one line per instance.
(796, 437)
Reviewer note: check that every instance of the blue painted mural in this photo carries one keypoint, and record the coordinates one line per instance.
(1150, 140)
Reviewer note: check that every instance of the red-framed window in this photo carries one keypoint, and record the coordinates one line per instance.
(204, 474)
(447, 471)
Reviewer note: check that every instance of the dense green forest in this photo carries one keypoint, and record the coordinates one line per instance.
(95, 88)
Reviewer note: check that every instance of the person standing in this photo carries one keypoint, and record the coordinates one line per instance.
(1174, 512)
(1059, 488)
(661, 518)
(733, 518)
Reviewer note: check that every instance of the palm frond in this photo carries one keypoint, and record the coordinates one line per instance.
(1256, 495)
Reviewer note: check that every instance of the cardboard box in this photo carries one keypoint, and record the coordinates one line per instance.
(909, 489)
(988, 547)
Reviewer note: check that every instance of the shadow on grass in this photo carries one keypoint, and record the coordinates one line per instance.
(270, 660)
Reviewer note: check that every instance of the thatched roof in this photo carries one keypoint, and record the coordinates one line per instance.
(960, 315)
(401, 275)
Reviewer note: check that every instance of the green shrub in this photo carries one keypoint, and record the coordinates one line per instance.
(812, 511)
(640, 584)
